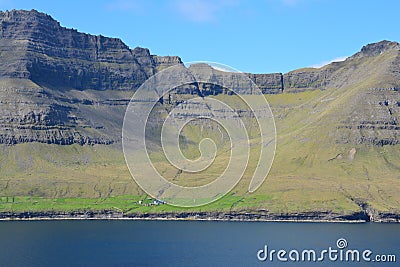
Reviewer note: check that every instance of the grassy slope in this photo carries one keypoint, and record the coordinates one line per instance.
(303, 176)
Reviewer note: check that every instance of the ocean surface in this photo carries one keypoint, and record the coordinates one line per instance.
(194, 243)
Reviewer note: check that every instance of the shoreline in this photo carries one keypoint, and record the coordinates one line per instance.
(309, 217)
(171, 219)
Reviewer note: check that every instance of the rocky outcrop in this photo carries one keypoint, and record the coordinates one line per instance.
(300, 80)
(374, 120)
(219, 216)
(326, 216)
(268, 83)
(376, 49)
(162, 62)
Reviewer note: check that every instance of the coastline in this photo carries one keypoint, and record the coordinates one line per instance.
(315, 217)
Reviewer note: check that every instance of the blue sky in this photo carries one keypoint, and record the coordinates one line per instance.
(252, 36)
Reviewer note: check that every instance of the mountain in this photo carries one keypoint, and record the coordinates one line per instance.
(63, 96)
(50, 67)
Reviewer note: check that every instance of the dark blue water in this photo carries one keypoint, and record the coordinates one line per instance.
(184, 243)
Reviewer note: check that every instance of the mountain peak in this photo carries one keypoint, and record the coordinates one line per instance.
(45, 53)
(378, 48)
(26, 16)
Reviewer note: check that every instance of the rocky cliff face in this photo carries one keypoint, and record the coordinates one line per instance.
(50, 75)
(55, 81)
(60, 86)
(36, 47)
(268, 83)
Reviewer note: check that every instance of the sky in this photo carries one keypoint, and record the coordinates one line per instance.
(260, 36)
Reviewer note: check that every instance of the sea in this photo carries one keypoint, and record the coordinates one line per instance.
(197, 243)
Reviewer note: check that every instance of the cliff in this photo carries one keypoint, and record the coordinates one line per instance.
(45, 69)
(36, 47)
(52, 77)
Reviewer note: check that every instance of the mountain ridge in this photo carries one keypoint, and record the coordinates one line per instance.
(55, 63)
(33, 27)
(41, 42)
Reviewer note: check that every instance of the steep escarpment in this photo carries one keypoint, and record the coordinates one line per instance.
(55, 81)
(30, 113)
(38, 48)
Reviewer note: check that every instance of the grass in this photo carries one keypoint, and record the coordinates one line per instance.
(32, 204)
(125, 203)
(129, 204)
